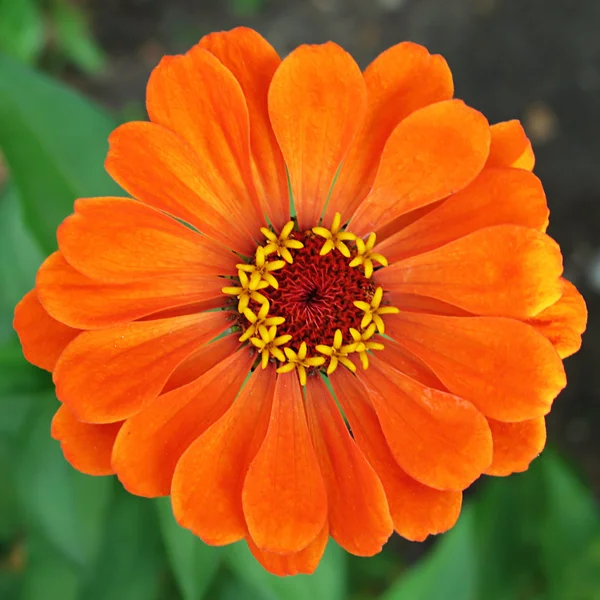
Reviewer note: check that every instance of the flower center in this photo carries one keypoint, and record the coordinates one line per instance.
(316, 295)
(308, 301)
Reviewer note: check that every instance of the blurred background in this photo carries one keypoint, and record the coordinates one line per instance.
(72, 69)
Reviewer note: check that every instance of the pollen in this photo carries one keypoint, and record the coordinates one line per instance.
(247, 290)
(338, 353)
(281, 244)
(334, 238)
(300, 361)
(364, 343)
(259, 322)
(268, 343)
(365, 255)
(262, 270)
(312, 310)
(373, 311)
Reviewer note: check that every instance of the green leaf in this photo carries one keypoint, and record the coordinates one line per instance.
(67, 507)
(48, 575)
(328, 581)
(580, 576)
(10, 517)
(193, 563)
(449, 571)
(20, 387)
(130, 564)
(228, 588)
(508, 516)
(21, 257)
(21, 29)
(530, 528)
(570, 529)
(10, 585)
(54, 142)
(75, 39)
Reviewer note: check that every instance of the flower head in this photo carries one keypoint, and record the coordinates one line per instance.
(203, 337)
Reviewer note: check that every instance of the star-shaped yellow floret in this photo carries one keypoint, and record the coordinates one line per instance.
(337, 353)
(374, 311)
(300, 361)
(365, 255)
(262, 269)
(362, 343)
(246, 291)
(334, 238)
(281, 244)
(268, 344)
(259, 321)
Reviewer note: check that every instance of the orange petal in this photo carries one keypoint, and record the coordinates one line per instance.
(434, 152)
(505, 368)
(393, 354)
(253, 61)
(440, 440)
(406, 219)
(284, 496)
(417, 510)
(109, 375)
(159, 168)
(87, 447)
(304, 562)
(202, 360)
(152, 441)
(399, 81)
(117, 240)
(359, 517)
(317, 101)
(188, 309)
(208, 480)
(516, 445)
(563, 322)
(510, 147)
(414, 303)
(199, 99)
(84, 303)
(495, 197)
(42, 338)
(506, 270)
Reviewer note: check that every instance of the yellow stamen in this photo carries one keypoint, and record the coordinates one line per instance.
(259, 320)
(334, 238)
(337, 353)
(362, 343)
(268, 344)
(261, 269)
(365, 255)
(246, 291)
(300, 362)
(374, 311)
(281, 244)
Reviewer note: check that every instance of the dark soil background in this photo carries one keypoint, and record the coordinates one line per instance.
(536, 60)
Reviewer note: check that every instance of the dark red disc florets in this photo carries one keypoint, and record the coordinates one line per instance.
(316, 294)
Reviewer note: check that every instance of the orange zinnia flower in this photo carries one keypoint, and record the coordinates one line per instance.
(200, 335)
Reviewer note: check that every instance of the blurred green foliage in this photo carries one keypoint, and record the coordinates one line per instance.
(57, 28)
(66, 536)
(245, 8)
